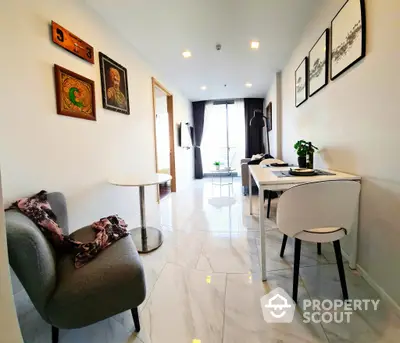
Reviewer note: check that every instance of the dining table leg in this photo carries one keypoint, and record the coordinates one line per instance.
(146, 238)
(354, 240)
(262, 233)
(250, 193)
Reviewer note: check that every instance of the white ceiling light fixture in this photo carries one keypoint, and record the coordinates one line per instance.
(203, 88)
(255, 44)
(186, 54)
(248, 84)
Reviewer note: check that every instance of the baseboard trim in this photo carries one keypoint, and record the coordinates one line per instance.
(374, 285)
(378, 288)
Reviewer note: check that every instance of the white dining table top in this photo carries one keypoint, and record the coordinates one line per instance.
(132, 180)
(264, 176)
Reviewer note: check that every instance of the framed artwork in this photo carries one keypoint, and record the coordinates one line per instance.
(347, 37)
(269, 116)
(318, 60)
(114, 85)
(301, 83)
(71, 43)
(75, 94)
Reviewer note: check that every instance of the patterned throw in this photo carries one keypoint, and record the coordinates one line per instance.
(108, 230)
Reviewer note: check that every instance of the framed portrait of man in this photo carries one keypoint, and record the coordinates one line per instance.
(114, 85)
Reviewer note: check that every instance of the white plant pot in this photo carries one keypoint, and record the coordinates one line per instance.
(217, 167)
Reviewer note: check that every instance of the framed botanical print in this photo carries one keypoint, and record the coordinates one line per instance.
(301, 84)
(269, 116)
(348, 37)
(75, 94)
(318, 61)
(114, 85)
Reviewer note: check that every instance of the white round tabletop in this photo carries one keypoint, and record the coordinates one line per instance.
(132, 180)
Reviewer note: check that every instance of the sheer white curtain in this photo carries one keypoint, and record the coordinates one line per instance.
(214, 135)
(223, 135)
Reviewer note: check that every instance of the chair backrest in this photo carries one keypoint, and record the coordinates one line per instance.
(318, 205)
(31, 255)
(269, 161)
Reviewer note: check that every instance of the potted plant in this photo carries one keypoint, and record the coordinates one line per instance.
(305, 151)
(217, 165)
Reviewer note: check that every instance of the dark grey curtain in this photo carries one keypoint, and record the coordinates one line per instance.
(198, 123)
(254, 135)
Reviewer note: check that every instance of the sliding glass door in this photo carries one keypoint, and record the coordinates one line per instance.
(223, 135)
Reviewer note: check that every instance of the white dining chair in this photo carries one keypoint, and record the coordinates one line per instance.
(319, 212)
(268, 162)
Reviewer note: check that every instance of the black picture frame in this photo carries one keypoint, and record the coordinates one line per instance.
(317, 67)
(115, 97)
(336, 51)
(301, 72)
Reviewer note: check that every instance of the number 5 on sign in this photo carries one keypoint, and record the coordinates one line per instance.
(72, 43)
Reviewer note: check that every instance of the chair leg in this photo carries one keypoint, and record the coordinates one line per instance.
(296, 268)
(54, 334)
(342, 276)
(135, 316)
(319, 248)
(269, 203)
(283, 245)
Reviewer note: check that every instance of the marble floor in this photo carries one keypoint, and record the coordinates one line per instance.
(204, 286)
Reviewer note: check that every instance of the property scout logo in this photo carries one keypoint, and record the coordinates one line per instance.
(278, 307)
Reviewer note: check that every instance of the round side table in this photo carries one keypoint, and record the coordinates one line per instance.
(146, 238)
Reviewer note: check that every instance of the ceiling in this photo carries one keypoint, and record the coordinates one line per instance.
(161, 30)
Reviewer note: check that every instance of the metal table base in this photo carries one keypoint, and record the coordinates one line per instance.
(146, 238)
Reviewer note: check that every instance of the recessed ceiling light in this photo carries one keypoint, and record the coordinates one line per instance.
(255, 44)
(203, 88)
(186, 54)
(248, 85)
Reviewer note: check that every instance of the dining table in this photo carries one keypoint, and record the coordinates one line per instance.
(278, 179)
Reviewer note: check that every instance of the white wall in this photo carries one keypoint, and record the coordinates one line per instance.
(9, 328)
(42, 150)
(162, 133)
(355, 121)
(274, 96)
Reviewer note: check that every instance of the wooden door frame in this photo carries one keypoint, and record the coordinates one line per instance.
(170, 109)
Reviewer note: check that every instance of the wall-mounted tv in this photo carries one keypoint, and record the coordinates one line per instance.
(185, 135)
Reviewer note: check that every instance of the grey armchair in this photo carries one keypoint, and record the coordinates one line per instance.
(66, 297)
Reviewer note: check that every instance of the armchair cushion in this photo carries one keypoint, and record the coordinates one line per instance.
(112, 283)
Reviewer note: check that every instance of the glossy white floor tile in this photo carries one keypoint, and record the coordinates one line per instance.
(230, 253)
(203, 283)
(185, 305)
(243, 316)
(365, 326)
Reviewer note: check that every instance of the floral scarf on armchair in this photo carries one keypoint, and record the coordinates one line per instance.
(108, 230)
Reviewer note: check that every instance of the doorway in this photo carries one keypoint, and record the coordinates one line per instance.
(164, 142)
